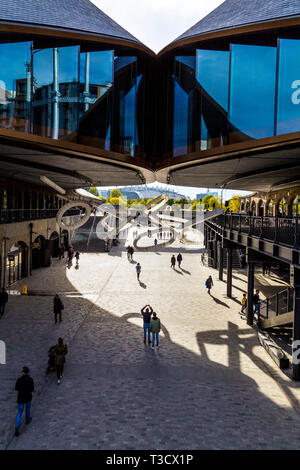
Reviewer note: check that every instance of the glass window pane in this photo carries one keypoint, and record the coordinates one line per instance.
(15, 86)
(126, 87)
(96, 76)
(56, 90)
(184, 105)
(252, 92)
(288, 113)
(212, 74)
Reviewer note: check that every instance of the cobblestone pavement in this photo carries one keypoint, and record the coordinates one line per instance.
(209, 386)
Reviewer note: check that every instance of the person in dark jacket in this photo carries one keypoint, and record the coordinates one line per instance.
(3, 301)
(179, 259)
(146, 313)
(208, 284)
(173, 261)
(24, 387)
(58, 307)
(60, 353)
(256, 302)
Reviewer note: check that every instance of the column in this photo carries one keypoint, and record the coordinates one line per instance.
(250, 275)
(220, 261)
(229, 272)
(295, 282)
(215, 253)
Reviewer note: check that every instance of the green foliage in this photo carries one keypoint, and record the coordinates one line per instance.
(234, 204)
(214, 203)
(206, 199)
(115, 193)
(196, 206)
(94, 191)
(171, 202)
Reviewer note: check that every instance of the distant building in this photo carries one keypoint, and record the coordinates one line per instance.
(143, 192)
(202, 195)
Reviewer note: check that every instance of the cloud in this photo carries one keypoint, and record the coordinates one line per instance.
(156, 23)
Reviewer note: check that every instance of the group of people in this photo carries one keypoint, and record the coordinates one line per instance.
(173, 260)
(25, 384)
(151, 325)
(71, 255)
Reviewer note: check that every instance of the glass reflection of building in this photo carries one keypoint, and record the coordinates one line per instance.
(233, 94)
(195, 97)
(71, 93)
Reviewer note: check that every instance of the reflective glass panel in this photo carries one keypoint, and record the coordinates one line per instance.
(252, 92)
(15, 86)
(184, 105)
(288, 111)
(55, 91)
(212, 74)
(126, 84)
(96, 77)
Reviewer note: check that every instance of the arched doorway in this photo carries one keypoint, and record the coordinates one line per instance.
(296, 206)
(38, 252)
(17, 263)
(270, 208)
(65, 239)
(260, 208)
(282, 207)
(253, 208)
(54, 244)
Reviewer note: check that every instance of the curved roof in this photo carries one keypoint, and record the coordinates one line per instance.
(233, 13)
(79, 15)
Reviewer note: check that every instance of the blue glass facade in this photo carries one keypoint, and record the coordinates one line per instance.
(243, 93)
(114, 99)
(288, 113)
(70, 92)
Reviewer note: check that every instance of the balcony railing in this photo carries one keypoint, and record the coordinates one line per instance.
(10, 216)
(277, 304)
(282, 230)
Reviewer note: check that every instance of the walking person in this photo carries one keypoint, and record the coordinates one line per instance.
(70, 254)
(179, 259)
(3, 301)
(209, 283)
(77, 254)
(155, 242)
(131, 253)
(155, 329)
(24, 386)
(60, 353)
(256, 302)
(173, 261)
(58, 307)
(138, 269)
(146, 312)
(128, 252)
(244, 303)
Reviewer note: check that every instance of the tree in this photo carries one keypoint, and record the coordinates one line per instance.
(115, 193)
(94, 191)
(214, 203)
(234, 204)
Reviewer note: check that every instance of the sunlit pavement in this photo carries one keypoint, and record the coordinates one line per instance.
(209, 386)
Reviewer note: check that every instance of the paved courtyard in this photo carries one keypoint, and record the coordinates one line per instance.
(210, 386)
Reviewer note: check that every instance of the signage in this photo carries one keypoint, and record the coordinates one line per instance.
(11, 257)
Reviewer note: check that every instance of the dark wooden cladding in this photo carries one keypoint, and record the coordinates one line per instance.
(231, 33)
(49, 32)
